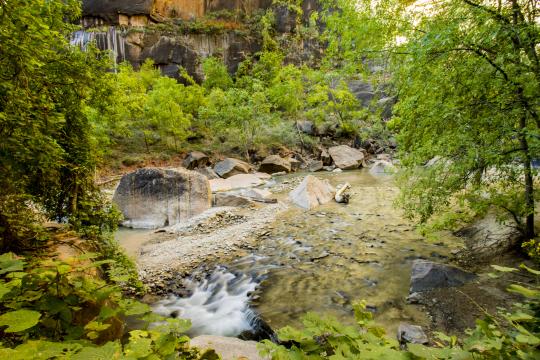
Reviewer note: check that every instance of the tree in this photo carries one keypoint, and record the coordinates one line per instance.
(216, 74)
(46, 153)
(468, 79)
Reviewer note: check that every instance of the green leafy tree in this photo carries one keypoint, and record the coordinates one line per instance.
(216, 74)
(469, 84)
(46, 154)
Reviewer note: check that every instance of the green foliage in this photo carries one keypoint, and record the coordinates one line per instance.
(62, 310)
(509, 335)
(468, 88)
(216, 74)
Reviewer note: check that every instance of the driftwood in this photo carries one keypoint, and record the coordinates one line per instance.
(340, 196)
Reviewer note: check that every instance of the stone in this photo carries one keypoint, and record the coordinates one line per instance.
(307, 127)
(329, 168)
(257, 194)
(345, 157)
(155, 197)
(362, 91)
(235, 182)
(109, 9)
(325, 156)
(208, 172)
(230, 167)
(489, 236)
(315, 166)
(196, 159)
(382, 167)
(413, 334)
(263, 176)
(295, 164)
(244, 181)
(275, 163)
(230, 199)
(227, 347)
(427, 275)
(217, 185)
(312, 192)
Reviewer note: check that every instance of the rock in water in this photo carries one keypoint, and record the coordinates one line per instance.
(228, 348)
(315, 166)
(382, 167)
(196, 159)
(345, 157)
(427, 275)
(154, 197)
(312, 192)
(230, 167)
(274, 164)
(411, 334)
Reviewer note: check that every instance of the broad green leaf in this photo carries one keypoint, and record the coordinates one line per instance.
(109, 351)
(19, 320)
(503, 268)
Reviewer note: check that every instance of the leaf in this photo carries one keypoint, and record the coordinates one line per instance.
(532, 271)
(503, 268)
(527, 292)
(19, 320)
(109, 351)
(8, 263)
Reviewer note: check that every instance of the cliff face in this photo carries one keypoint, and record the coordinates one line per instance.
(111, 11)
(177, 33)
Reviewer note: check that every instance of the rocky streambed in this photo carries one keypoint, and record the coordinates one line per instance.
(235, 270)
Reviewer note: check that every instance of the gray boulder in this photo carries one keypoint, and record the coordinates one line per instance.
(312, 192)
(154, 197)
(427, 275)
(208, 172)
(274, 164)
(411, 334)
(382, 167)
(230, 199)
(346, 157)
(489, 236)
(228, 348)
(230, 167)
(363, 91)
(315, 166)
(196, 159)
(307, 127)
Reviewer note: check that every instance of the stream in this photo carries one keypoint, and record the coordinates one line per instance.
(321, 260)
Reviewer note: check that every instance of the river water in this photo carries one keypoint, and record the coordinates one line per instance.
(321, 260)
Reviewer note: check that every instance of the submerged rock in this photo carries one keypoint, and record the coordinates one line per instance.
(154, 197)
(345, 157)
(230, 167)
(274, 163)
(411, 334)
(382, 167)
(427, 275)
(312, 192)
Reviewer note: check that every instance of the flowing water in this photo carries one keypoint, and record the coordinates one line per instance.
(320, 260)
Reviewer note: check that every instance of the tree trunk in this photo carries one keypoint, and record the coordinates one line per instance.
(529, 186)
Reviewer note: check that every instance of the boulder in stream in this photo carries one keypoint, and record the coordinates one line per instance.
(382, 167)
(274, 164)
(427, 275)
(346, 157)
(230, 167)
(155, 197)
(411, 334)
(312, 192)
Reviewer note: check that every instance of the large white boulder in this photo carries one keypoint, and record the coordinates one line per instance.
(154, 197)
(239, 181)
(346, 157)
(312, 192)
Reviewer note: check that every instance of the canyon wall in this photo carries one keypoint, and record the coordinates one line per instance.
(178, 33)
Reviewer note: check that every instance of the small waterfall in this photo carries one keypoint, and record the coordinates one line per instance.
(218, 305)
(112, 40)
